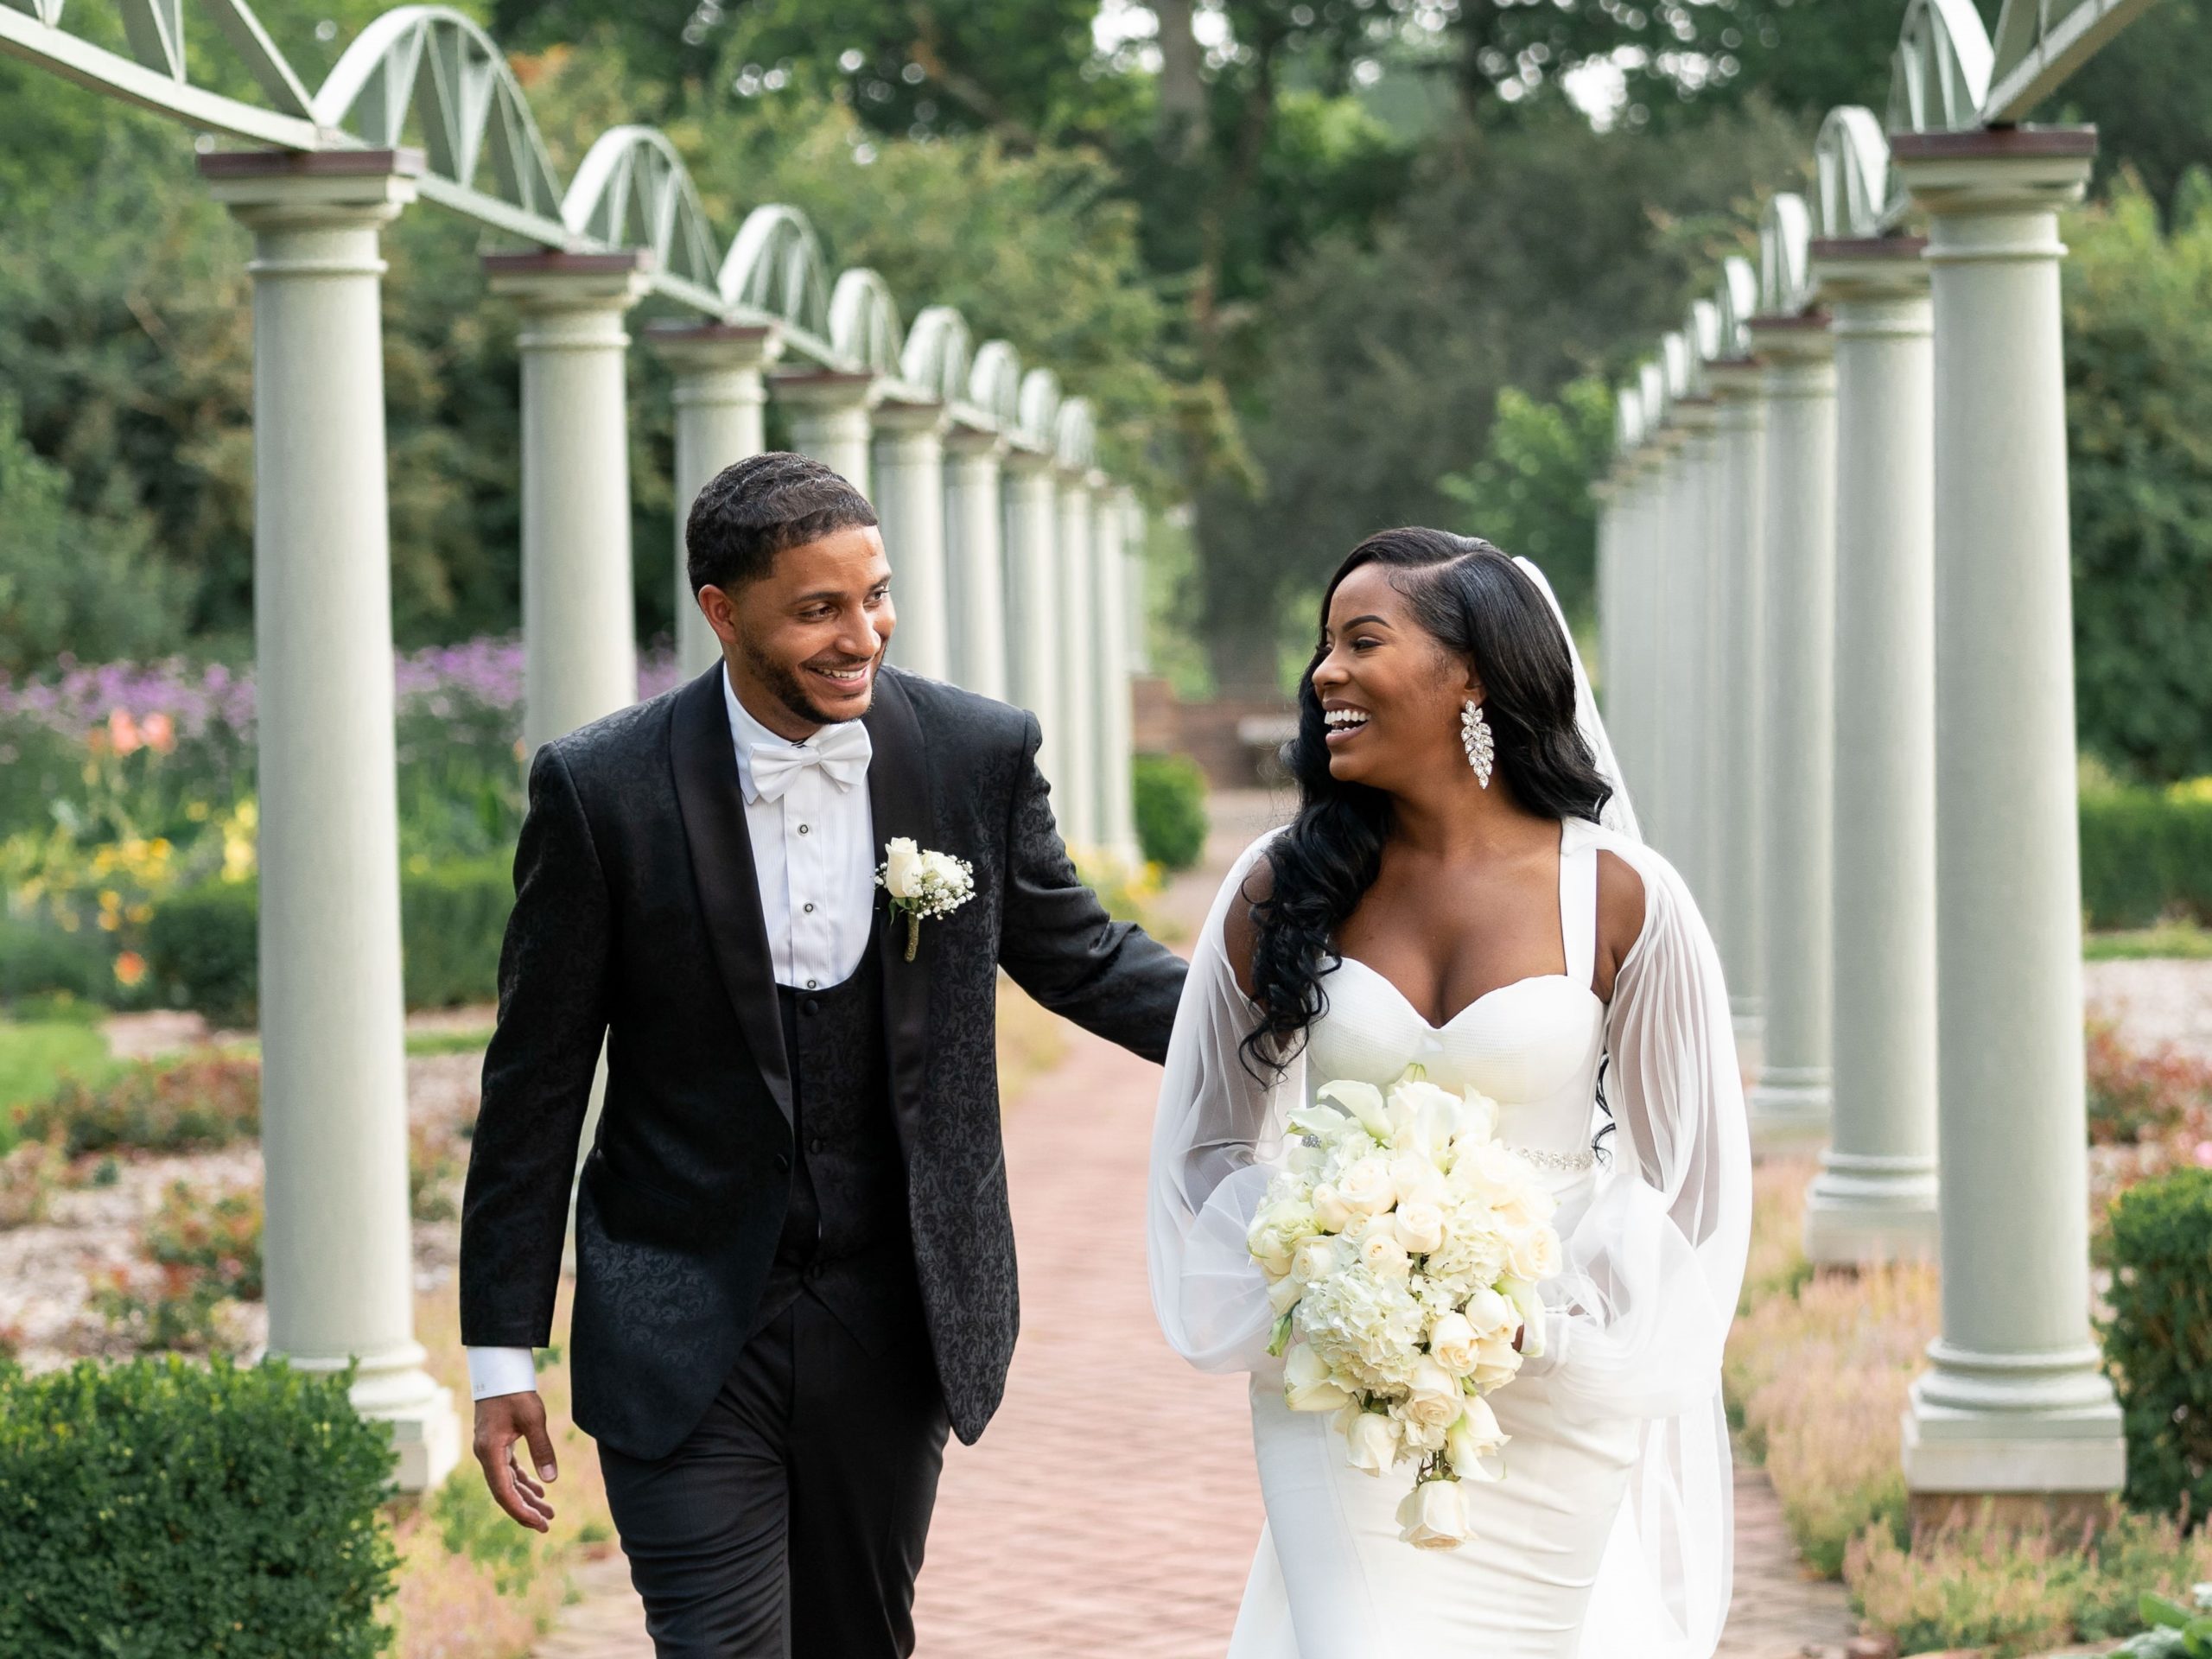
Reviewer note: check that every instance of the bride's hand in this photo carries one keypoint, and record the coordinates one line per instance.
(1518, 1333)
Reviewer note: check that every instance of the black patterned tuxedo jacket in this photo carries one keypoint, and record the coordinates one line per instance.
(637, 917)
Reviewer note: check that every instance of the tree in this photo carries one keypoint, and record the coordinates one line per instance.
(1529, 493)
(2138, 399)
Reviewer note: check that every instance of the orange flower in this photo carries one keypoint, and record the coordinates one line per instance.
(123, 731)
(129, 968)
(158, 731)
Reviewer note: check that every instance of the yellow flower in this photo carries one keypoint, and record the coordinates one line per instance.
(197, 811)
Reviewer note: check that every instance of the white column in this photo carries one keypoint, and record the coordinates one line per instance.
(1627, 702)
(1688, 713)
(2014, 1401)
(1134, 588)
(1666, 505)
(580, 652)
(829, 413)
(340, 1273)
(1875, 1196)
(1740, 546)
(974, 558)
(910, 500)
(1111, 512)
(1076, 627)
(1790, 1103)
(719, 406)
(1033, 610)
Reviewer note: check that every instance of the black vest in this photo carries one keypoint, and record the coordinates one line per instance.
(845, 1238)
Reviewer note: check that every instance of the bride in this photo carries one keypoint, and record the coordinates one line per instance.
(1464, 889)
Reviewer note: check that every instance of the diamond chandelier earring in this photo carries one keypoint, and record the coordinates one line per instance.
(1475, 738)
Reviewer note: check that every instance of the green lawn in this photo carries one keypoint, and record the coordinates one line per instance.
(2167, 939)
(35, 1053)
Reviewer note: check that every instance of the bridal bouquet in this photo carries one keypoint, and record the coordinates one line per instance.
(1403, 1245)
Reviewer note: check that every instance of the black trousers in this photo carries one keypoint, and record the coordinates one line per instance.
(790, 1523)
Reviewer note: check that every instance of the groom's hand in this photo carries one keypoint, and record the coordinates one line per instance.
(501, 1421)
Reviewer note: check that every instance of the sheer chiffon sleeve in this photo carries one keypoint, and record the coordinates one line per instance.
(1653, 1265)
(1217, 1126)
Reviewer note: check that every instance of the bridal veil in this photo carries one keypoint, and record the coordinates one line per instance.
(1654, 1262)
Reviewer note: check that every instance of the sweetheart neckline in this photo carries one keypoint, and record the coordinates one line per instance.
(1407, 1002)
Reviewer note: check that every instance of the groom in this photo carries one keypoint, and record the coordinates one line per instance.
(795, 1266)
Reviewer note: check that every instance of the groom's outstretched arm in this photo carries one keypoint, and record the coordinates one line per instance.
(537, 1071)
(1060, 946)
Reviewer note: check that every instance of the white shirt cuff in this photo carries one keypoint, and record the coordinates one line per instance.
(501, 1370)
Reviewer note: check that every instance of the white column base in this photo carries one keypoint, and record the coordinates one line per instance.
(1999, 1423)
(394, 1389)
(1863, 1209)
(1790, 1110)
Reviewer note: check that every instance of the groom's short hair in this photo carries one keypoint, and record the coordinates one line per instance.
(754, 509)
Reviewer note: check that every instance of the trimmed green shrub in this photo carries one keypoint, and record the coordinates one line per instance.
(453, 917)
(161, 1509)
(1171, 810)
(2159, 1341)
(36, 961)
(203, 943)
(2145, 854)
(203, 947)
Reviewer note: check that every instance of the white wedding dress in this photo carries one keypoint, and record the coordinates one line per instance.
(1610, 1534)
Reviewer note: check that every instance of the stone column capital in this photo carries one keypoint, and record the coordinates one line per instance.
(707, 349)
(1999, 170)
(964, 440)
(902, 419)
(270, 190)
(552, 280)
(1022, 461)
(825, 391)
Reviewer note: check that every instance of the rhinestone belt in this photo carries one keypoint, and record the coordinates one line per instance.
(1573, 1163)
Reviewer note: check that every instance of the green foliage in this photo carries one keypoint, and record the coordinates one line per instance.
(1524, 257)
(470, 1524)
(1530, 494)
(2136, 1097)
(195, 1104)
(35, 1053)
(38, 960)
(2139, 398)
(2159, 1341)
(2145, 854)
(2010, 1591)
(1171, 810)
(203, 943)
(165, 1510)
(203, 949)
(453, 917)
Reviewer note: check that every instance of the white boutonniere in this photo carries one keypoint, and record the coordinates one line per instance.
(923, 885)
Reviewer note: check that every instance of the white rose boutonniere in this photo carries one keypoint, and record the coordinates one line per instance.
(922, 884)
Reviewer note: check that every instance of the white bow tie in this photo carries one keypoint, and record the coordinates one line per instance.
(842, 751)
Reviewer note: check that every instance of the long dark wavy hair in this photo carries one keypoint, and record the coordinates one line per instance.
(1482, 608)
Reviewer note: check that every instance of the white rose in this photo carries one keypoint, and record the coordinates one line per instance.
(1412, 1176)
(901, 864)
(1451, 1340)
(1283, 1294)
(1315, 1258)
(1536, 1253)
(1372, 1442)
(1490, 1313)
(1496, 1362)
(1420, 1225)
(1329, 1208)
(1433, 1516)
(1365, 1187)
(1380, 1251)
(1432, 1394)
(1474, 1437)
(1306, 1384)
(943, 871)
(1434, 1115)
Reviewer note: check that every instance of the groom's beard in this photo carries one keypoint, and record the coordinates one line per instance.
(784, 683)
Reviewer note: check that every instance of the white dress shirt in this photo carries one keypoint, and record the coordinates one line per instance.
(814, 856)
